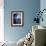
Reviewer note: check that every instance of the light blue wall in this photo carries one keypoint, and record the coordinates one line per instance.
(43, 6)
(30, 7)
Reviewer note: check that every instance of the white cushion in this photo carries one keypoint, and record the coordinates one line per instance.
(20, 42)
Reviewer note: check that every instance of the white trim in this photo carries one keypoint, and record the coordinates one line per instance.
(2, 21)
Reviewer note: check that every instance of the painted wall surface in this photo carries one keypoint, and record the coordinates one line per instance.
(30, 7)
(43, 6)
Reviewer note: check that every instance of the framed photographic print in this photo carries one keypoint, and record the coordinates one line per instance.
(17, 18)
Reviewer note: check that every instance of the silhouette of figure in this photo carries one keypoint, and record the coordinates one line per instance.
(16, 19)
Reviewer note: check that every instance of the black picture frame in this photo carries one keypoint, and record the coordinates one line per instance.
(17, 18)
